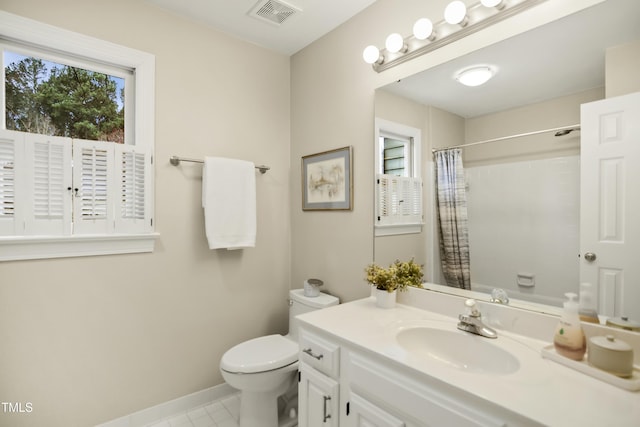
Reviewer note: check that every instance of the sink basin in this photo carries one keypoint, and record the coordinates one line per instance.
(457, 349)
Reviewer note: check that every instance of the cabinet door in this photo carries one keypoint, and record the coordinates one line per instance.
(363, 413)
(317, 399)
(417, 400)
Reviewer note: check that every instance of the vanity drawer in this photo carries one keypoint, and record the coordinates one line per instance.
(320, 353)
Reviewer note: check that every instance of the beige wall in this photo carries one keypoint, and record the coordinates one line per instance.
(557, 112)
(87, 340)
(397, 109)
(332, 104)
(623, 69)
(439, 129)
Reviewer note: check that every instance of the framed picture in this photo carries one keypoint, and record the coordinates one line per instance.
(327, 181)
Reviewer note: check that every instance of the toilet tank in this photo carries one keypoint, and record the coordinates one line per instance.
(299, 304)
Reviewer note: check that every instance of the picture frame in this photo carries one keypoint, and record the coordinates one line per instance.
(327, 180)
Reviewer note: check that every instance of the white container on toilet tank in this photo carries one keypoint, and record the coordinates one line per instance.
(312, 287)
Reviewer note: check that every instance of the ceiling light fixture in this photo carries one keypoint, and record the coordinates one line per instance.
(459, 22)
(475, 76)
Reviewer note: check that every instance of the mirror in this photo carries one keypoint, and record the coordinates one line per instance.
(542, 77)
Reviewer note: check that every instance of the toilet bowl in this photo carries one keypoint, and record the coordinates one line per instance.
(264, 368)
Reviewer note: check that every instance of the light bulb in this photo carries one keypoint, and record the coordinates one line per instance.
(498, 4)
(475, 76)
(456, 13)
(423, 29)
(371, 54)
(394, 43)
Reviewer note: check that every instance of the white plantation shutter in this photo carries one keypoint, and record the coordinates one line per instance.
(48, 178)
(93, 187)
(77, 197)
(385, 196)
(8, 212)
(30, 194)
(132, 176)
(399, 200)
(412, 196)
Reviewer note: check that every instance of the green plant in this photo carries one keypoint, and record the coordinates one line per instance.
(397, 276)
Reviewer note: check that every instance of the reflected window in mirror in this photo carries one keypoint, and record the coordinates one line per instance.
(396, 155)
(398, 179)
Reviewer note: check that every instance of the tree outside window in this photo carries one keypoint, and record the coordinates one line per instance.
(49, 98)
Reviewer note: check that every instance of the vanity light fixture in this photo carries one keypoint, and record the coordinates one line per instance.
(371, 55)
(459, 22)
(395, 43)
(475, 76)
(423, 29)
(456, 13)
(498, 4)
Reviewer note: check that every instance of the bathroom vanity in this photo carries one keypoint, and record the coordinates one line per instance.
(361, 365)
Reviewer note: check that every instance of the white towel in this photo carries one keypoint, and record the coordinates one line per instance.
(229, 202)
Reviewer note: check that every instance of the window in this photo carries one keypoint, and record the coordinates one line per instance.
(57, 95)
(76, 144)
(398, 179)
(396, 155)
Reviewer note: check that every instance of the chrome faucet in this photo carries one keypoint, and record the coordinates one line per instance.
(472, 321)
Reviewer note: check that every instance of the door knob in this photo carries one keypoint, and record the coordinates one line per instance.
(590, 256)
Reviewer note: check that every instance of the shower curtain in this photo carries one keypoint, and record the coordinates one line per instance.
(451, 203)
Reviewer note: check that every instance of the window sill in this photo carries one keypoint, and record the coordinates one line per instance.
(392, 230)
(39, 247)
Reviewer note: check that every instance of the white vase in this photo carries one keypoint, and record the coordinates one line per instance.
(385, 299)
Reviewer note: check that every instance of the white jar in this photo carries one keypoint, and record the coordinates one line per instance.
(612, 355)
(312, 287)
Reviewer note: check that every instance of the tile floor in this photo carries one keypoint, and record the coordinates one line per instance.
(221, 413)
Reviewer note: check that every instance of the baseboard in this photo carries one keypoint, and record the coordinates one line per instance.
(166, 409)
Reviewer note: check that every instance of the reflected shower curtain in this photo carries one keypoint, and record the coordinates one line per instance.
(451, 204)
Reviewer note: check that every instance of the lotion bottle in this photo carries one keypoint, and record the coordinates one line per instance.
(569, 339)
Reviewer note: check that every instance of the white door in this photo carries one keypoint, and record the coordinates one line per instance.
(610, 203)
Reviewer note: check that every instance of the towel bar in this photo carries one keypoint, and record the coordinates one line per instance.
(175, 161)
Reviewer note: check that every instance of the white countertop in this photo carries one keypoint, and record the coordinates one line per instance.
(541, 390)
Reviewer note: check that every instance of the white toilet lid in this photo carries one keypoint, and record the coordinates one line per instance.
(260, 354)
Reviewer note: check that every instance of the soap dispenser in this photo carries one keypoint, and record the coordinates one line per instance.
(569, 339)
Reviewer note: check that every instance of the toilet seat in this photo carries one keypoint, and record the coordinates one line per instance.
(260, 354)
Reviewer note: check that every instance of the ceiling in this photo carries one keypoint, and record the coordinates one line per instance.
(561, 58)
(306, 20)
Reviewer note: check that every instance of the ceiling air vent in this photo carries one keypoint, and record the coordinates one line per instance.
(273, 11)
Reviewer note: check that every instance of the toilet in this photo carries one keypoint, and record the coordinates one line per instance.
(265, 368)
